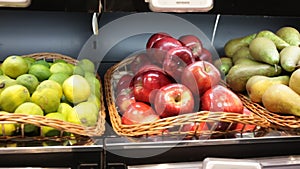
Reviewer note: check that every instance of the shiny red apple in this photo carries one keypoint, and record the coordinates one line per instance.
(124, 82)
(192, 42)
(173, 99)
(124, 99)
(161, 47)
(220, 98)
(174, 66)
(155, 37)
(200, 76)
(205, 55)
(138, 113)
(184, 53)
(146, 81)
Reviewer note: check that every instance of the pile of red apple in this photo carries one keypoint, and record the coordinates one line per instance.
(173, 77)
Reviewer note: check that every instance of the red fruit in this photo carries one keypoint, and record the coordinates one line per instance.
(200, 76)
(174, 66)
(162, 46)
(183, 53)
(138, 113)
(192, 42)
(146, 81)
(124, 82)
(206, 56)
(155, 37)
(139, 61)
(124, 99)
(220, 98)
(246, 127)
(173, 99)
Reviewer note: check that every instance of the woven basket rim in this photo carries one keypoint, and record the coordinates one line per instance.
(61, 125)
(155, 128)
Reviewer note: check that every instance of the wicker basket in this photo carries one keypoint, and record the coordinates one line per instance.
(171, 126)
(75, 129)
(288, 123)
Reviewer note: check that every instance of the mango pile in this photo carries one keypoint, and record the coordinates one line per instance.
(55, 89)
(264, 65)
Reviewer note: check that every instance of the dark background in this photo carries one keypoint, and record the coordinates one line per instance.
(234, 7)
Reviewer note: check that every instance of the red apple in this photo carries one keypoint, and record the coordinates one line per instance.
(124, 82)
(146, 81)
(173, 99)
(155, 37)
(246, 127)
(161, 47)
(220, 98)
(206, 56)
(192, 42)
(200, 76)
(124, 99)
(183, 53)
(139, 61)
(138, 113)
(174, 66)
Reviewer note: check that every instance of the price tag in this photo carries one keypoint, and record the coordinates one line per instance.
(220, 163)
(180, 5)
(15, 3)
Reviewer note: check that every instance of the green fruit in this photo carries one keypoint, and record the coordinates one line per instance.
(40, 71)
(8, 129)
(29, 108)
(233, 45)
(50, 131)
(87, 65)
(239, 74)
(289, 58)
(13, 96)
(264, 50)
(87, 113)
(14, 66)
(278, 41)
(290, 35)
(29, 81)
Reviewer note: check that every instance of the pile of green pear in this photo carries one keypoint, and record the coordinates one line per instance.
(264, 65)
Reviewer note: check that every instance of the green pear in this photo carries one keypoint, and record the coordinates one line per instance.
(233, 45)
(295, 81)
(223, 64)
(243, 52)
(278, 41)
(290, 35)
(264, 50)
(289, 58)
(258, 84)
(280, 98)
(239, 74)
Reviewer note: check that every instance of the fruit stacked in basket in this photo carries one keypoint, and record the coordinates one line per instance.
(265, 66)
(173, 88)
(50, 95)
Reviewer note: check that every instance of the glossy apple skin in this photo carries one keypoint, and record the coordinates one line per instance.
(161, 47)
(124, 99)
(220, 98)
(192, 42)
(155, 37)
(139, 61)
(124, 82)
(138, 113)
(147, 81)
(173, 99)
(205, 55)
(174, 66)
(200, 76)
(183, 53)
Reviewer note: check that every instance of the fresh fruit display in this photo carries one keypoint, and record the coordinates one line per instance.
(266, 68)
(51, 89)
(171, 79)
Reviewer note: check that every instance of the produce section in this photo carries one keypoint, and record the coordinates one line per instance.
(168, 144)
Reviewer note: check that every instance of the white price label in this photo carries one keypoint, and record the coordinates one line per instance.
(180, 5)
(219, 163)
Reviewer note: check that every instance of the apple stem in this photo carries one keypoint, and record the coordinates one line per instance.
(204, 65)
